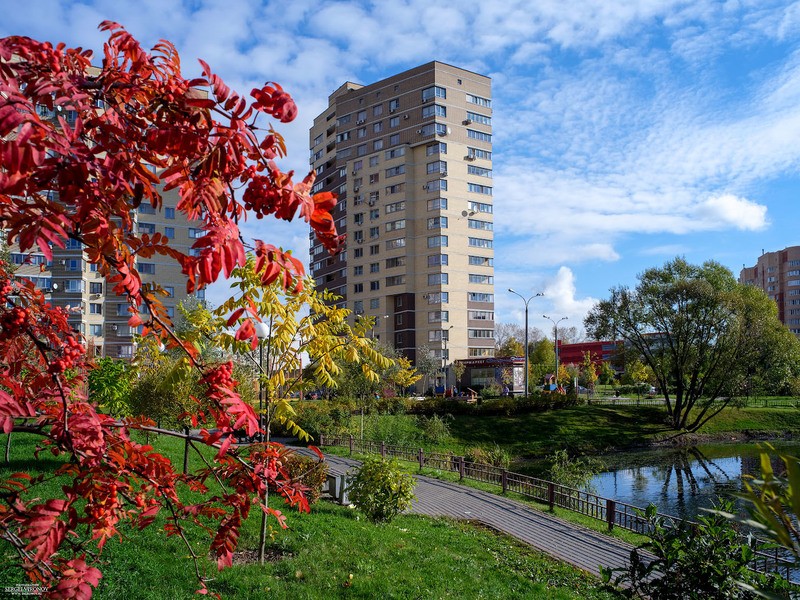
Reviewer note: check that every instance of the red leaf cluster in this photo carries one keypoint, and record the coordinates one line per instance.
(81, 148)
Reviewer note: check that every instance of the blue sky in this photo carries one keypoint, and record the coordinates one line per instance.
(625, 132)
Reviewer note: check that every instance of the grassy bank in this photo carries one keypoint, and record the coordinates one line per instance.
(331, 553)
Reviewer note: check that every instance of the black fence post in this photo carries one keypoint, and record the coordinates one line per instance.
(351, 445)
(461, 467)
(504, 480)
(186, 451)
(421, 457)
(611, 513)
(551, 494)
(383, 449)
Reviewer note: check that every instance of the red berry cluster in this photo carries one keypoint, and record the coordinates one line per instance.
(5, 291)
(220, 376)
(11, 321)
(70, 353)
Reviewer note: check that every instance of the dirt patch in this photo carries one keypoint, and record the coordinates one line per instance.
(250, 557)
(681, 440)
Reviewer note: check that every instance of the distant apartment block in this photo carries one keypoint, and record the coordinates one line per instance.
(778, 274)
(410, 158)
(94, 310)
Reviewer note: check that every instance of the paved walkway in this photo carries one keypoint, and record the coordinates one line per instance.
(565, 541)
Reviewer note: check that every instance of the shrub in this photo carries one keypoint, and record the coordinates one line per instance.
(309, 472)
(435, 429)
(573, 472)
(381, 490)
(401, 430)
(496, 456)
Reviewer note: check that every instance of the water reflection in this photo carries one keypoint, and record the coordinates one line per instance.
(681, 481)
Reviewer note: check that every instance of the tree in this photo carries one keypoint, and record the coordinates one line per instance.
(136, 129)
(503, 332)
(110, 386)
(589, 370)
(697, 329)
(542, 360)
(511, 347)
(607, 373)
(427, 364)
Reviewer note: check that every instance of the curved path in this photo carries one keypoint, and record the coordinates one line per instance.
(565, 541)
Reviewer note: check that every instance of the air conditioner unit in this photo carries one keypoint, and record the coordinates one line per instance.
(391, 110)
(355, 189)
(426, 99)
(467, 121)
(95, 296)
(469, 157)
(355, 172)
(359, 241)
(419, 131)
(360, 122)
(359, 312)
(405, 117)
(372, 202)
(443, 173)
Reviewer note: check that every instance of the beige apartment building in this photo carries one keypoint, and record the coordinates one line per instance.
(410, 158)
(778, 274)
(94, 310)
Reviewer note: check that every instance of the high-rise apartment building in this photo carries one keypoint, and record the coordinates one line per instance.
(410, 158)
(778, 274)
(94, 309)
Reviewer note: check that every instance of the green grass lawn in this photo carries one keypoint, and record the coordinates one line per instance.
(331, 553)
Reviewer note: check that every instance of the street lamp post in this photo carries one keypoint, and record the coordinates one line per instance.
(526, 331)
(445, 339)
(555, 335)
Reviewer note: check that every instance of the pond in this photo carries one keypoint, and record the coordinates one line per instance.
(682, 481)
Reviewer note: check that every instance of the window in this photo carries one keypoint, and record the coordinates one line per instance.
(122, 310)
(358, 253)
(437, 336)
(437, 166)
(342, 137)
(318, 140)
(437, 279)
(358, 270)
(394, 104)
(431, 128)
(147, 268)
(374, 267)
(480, 333)
(478, 153)
(374, 213)
(358, 307)
(170, 291)
(438, 297)
(476, 224)
(394, 139)
(375, 249)
(435, 260)
(146, 209)
(395, 225)
(96, 330)
(484, 279)
(375, 178)
(479, 118)
(473, 170)
(480, 207)
(377, 110)
(374, 285)
(398, 243)
(435, 148)
(438, 316)
(433, 92)
(377, 145)
(374, 231)
(480, 242)
(437, 223)
(793, 282)
(479, 189)
(394, 171)
(479, 135)
(169, 213)
(395, 153)
(434, 110)
(481, 315)
(394, 122)
(361, 116)
(358, 236)
(147, 228)
(481, 261)
(95, 308)
(481, 352)
(479, 101)
(374, 303)
(358, 288)
(358, 218)
(395, 280)
(437, 204)
(479, 297)
(436, 241)
(398, 261)
(377, 127)
(396, 188)
(436, 185)
(361, 132)
(361, 150)
(196, 233)
(73, 264)
(96, 288)
(343, 119)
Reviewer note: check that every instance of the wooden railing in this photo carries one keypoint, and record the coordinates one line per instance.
(607, 510)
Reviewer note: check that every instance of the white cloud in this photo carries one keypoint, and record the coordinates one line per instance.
(729, 210)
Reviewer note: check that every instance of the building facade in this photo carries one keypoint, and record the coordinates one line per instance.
(778, 274)
(101, 316)
(410, 158)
